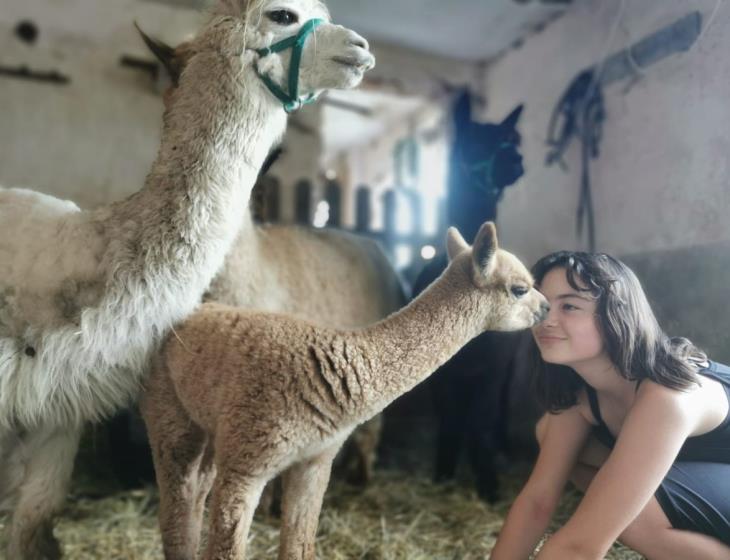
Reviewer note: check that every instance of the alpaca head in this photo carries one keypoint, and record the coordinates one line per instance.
(332, 57)
(503, 289)
(263, 33)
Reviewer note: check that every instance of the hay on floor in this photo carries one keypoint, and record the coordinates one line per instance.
(399, 517)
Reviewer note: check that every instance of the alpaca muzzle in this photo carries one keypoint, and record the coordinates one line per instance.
(542, 313)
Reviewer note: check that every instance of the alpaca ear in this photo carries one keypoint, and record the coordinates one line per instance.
(455, 243)
(510, 121)
(484, 250)
(164, 53)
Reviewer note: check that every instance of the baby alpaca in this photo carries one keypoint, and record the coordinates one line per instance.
(250, 395)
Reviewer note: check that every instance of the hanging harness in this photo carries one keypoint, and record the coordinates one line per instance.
(291, 100)
(582, 112)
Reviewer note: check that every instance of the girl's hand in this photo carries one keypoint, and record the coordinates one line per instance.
(564, 436)
(554, 549)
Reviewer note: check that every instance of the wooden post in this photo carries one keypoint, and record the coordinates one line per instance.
(303, 202)
(333, 196)
(272, 200)
(363, 208)
(390, 211)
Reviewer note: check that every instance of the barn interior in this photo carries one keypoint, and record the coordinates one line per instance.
(586, 125)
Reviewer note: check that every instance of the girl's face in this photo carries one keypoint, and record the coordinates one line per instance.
(570, 334)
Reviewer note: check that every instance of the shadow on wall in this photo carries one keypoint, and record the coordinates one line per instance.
(688, 290)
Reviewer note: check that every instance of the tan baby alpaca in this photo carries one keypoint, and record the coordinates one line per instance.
(250, 395)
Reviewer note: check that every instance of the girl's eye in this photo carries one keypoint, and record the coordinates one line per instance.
(569, 307)
(282, 17)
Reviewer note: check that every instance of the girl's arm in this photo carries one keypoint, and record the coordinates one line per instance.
(530, 514)
(650, 439)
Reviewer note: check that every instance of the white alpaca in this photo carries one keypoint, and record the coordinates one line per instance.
(85, 296)
(248, 395)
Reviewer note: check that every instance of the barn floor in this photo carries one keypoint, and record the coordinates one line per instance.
(400, 516)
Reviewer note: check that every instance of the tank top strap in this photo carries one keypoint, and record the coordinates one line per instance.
(593, 402)
(601, 431)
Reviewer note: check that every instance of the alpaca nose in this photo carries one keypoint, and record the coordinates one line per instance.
(358, 41)
(544, 310)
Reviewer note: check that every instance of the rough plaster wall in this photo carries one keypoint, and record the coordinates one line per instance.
(408, 72)
(660, 181)
(94, 139)
(687, 288)
(660, 185)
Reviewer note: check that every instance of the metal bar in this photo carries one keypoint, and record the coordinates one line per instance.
(676, 37)
(347, 106)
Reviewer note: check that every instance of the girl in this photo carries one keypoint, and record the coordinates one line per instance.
(638, 421)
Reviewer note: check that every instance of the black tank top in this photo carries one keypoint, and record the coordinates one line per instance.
(712, 447)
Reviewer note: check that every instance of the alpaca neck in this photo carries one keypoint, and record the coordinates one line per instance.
(214, 141)
(412, 343)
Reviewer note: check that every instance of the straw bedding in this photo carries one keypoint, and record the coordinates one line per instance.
(399, 516)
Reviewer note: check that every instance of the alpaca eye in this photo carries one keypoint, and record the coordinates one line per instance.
(283, 17)
(519, 291)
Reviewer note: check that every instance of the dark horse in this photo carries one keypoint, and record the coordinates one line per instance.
(470, 389)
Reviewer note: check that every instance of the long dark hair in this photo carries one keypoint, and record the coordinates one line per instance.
(633, 339)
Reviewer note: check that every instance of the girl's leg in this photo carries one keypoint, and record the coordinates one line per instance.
(651, 534)
(591, 458)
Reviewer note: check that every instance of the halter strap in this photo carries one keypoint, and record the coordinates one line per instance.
(291, 100)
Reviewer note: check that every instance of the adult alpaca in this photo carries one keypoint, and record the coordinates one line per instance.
(85, 296)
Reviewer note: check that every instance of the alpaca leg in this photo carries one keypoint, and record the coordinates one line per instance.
(232, 506)
(47, 476)
(206, 478)
(270, 502)
(448, 398)
(12, 468)
(365, 438)
(184, 470)
(484, 415)
(304, 487)
(488, 411)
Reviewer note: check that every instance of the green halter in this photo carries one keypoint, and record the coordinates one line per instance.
(291, 100)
